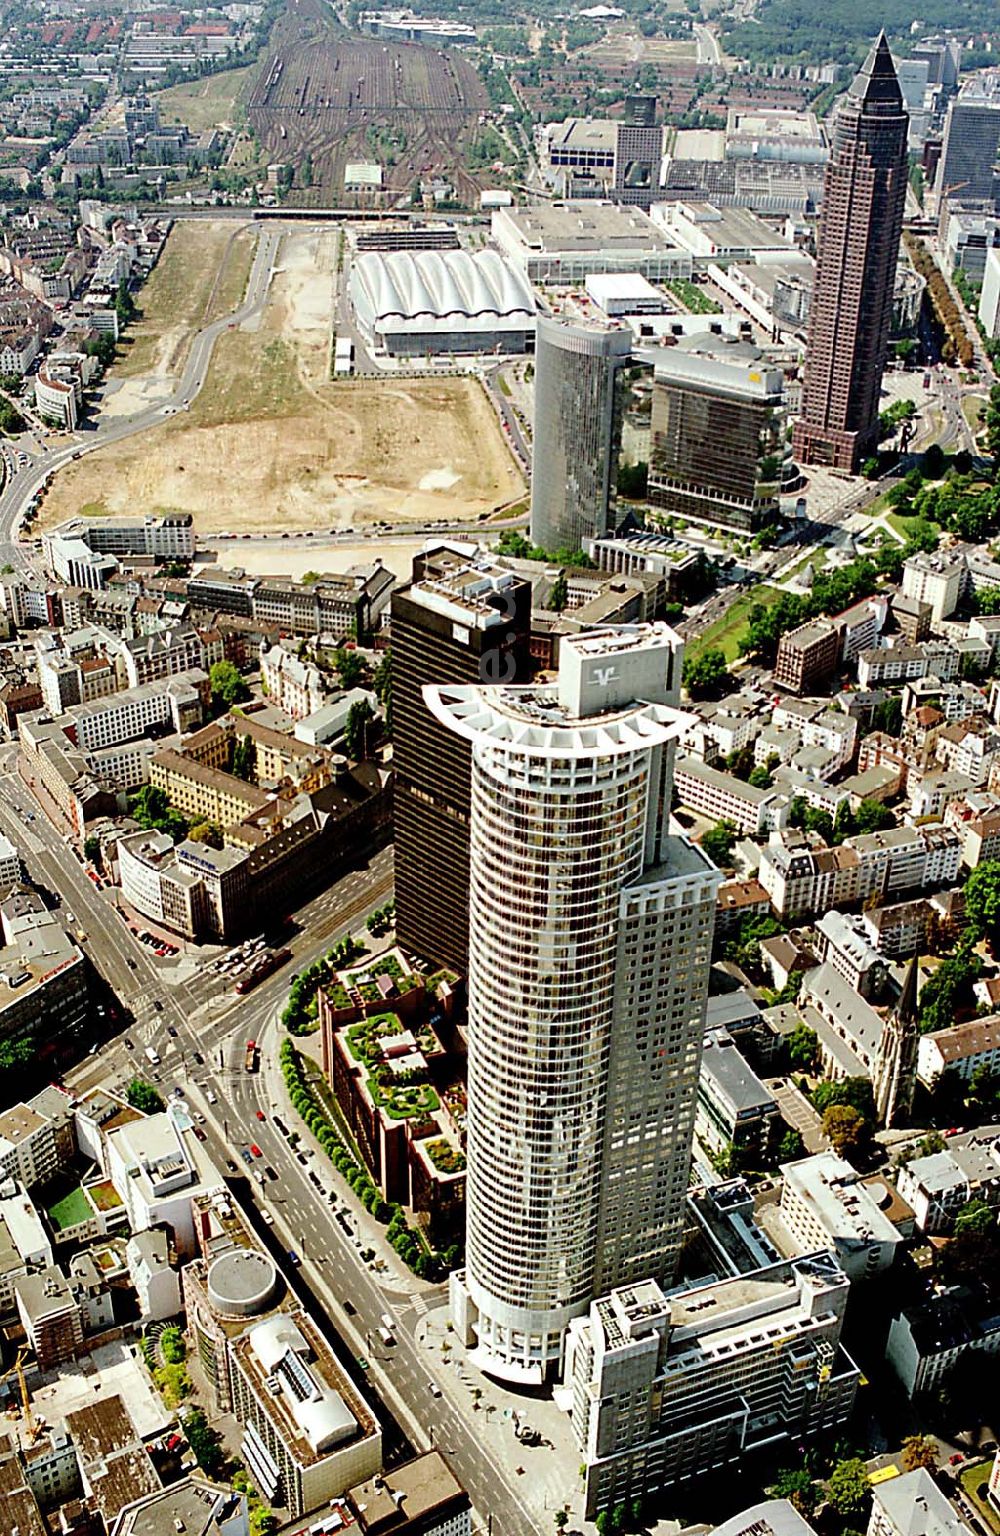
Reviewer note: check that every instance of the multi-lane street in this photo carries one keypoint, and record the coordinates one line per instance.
(198, 1027)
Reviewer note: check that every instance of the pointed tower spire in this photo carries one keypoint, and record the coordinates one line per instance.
(876, 83)
(906, 1006)
(895, 1069)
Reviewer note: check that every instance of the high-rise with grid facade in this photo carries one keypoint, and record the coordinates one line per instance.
(638, 154)
(863, 197)
(462, 619)
(590, 931)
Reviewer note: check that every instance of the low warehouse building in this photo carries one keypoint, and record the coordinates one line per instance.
(410, 303)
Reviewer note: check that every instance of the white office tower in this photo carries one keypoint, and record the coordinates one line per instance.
(666, 1388)
(590, 937)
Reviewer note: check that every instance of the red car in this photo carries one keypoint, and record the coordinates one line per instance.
(255, 1149)
(953, 1461)
(261, 1115)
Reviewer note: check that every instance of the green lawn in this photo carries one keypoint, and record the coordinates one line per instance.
(973, 407)
(209, 102)
(971, 1479)
(904, 526)
(72, 1208)
(725, 634)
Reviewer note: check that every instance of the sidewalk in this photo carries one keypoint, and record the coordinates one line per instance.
(546, 1475)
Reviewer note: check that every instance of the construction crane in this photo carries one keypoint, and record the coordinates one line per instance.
(31, 1423)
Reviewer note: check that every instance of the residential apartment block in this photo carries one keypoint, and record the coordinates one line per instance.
(723, 797)
(961, 1049)
(802, 881)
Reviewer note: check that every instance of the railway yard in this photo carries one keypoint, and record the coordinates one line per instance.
(335, 98)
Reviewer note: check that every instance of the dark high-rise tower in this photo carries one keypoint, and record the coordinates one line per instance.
(638, 153)
(863, 196)
(462, 619)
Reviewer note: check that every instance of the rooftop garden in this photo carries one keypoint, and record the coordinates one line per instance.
(70, 1210)
(402, 1100)
(104, 1196)
(366, 982)
(445, 1157)
(363, 1037)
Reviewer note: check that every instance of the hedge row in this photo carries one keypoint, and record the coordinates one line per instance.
(401, 1236)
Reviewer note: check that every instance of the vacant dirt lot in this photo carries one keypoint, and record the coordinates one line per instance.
(272, 442)
(201, 275)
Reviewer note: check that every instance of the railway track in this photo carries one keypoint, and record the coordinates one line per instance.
(324, 99)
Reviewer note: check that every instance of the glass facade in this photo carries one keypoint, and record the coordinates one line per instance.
(590, 931)
(577, 431)
(714, 457)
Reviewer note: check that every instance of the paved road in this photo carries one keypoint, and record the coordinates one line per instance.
(199, 1028)
(709, 51)
(22, 487)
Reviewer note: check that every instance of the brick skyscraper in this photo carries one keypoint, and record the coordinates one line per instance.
(863, 196)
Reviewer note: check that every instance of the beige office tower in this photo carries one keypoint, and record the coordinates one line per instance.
(589, 941)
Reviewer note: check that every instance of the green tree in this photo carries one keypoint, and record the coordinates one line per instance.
(350, 667)
(207, 832)
(744, 947)
(172, 1346)
(790, 1148)
(706, 675)
(150, 805)
(849, 1489)
(948, 990)
(796, 1485)
(920, 1451)
(151, 809)
(143, 1096)
(92, 849)
(227, 685)
(559, 596)
(245, 759)
(356, 731)
(819, 821)
(718, 842)
(11, 420)
(633, 481)
(855, 1091)
(843, 822)
(205, 1443)
(16, 1055)
(982, 900)
(803, 1043)
(975, 1216)
(871, 816)
(844, 1127)
(561, 1519)
(759, 777)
